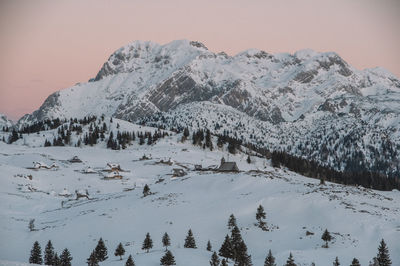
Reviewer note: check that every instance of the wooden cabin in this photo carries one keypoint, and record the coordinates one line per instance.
(112, 167)
(75, 159)
(82, 194)
(227, 166)
(89, 170)
(40, 165)
(178, 172)
(114, 175)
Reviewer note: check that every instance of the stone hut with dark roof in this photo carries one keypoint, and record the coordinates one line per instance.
(227, 166)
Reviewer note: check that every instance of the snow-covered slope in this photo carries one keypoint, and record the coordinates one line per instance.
(320, 107)
(358, 218)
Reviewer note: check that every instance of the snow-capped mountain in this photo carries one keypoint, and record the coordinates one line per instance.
(310, 104)
(4, 121)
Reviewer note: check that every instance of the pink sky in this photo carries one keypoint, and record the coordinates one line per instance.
(48, 45)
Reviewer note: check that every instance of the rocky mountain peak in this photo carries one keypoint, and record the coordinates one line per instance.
(134, 55)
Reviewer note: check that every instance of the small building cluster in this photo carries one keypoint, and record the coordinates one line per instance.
(75, 159)
(40, 165)
(113, 170)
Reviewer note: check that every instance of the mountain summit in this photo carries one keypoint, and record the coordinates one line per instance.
(308, 103)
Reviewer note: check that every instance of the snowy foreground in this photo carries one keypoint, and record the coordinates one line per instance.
(358, 218)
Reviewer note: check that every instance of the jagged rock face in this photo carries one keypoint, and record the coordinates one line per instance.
(144, 78)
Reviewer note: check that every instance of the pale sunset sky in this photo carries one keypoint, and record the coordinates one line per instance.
(48, 45)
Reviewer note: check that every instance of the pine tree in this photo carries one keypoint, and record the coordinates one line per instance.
(374, 262)
(209, 140)
(65, 258)
(336, 262)
(290, 261)
(168, 259)
(190, 241)
(224, 263)
(383, 257)
(269, 260)
(110, 142)
(220, 142)
(185, 134)
(92, 260)
(120, 251)
(146, 190)
(101, 251)
(241, 256)
(166, 241)
(214, 259)
(49, 254)
(260, 216)
(326, 236)
(231, 222)
(209, 247)
(355, 262)
(248, 159)
(129, 261)
(141, 140)
(56, 260)
(36, 254)
(147, 243)
(226, 249)
(231, 147)
(236, 238)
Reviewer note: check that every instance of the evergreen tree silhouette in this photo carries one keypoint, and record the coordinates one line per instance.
(101, 251)
(147, 243)
(119, 251)
(65, 258)
(168, 259)
(269, 260)
(166, 241)
(129, 261)
(383, 257)
(190, 241)
(36, 254)
(214, 259)
(49, 254)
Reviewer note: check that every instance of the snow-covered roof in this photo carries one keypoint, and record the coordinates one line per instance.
(89, 170)
(65, 192)
(40, 165)
(113, 165)
(114, 174)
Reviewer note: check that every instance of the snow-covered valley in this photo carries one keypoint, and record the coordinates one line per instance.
(117, 211)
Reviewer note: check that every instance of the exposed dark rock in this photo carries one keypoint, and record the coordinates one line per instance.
(327, 106)
(198, 44)
(306, 76)
(276, 116)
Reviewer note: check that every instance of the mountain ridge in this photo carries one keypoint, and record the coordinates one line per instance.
(310, 104)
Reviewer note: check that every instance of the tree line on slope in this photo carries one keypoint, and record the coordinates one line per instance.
(96, 132)
(354, 173)
(233, 248)
(341, 147)
(303, 166)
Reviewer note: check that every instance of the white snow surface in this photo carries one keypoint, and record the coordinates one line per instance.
(358, 218)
